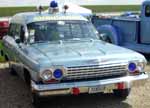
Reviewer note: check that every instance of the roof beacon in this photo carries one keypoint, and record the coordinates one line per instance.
(40, 9)
(53, 8)
(66, 7)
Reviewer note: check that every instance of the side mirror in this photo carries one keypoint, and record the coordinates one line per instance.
(26, 34)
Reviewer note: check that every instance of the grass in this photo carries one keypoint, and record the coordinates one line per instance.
(1, 57)
(9, 11)
(113, 8)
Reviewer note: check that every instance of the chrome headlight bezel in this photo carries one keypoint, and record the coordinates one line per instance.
(140, 65)
(51, 71)
(46, 75)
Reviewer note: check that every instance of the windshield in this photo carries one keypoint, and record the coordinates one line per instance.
(60, 30)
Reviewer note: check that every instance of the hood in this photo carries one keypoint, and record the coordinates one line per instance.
(78, 53)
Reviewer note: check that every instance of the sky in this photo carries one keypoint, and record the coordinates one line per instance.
(7, 3)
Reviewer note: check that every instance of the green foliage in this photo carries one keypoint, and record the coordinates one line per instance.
(113, 8)
(1, 57)
(9, 11)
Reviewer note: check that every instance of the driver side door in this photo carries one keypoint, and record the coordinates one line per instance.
(12, 48)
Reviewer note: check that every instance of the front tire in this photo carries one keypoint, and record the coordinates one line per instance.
(122, 93)
(12, 70)
(36, 100)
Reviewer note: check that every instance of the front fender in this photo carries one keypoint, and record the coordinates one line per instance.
(111, 32)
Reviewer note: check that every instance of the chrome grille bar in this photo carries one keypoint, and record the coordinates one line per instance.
(84, 72)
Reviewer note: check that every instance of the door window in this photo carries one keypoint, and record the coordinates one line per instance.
(11, 31)
(14, 30)
(147, 11)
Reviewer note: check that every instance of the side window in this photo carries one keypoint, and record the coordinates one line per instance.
(147, 10)
(14, 30)
(18, 30)
(11, 31)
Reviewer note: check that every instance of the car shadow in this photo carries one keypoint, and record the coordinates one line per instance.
(86, 101)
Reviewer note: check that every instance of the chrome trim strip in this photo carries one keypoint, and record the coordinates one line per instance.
(127, 79)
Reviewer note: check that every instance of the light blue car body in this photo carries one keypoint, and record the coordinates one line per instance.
(37, 57)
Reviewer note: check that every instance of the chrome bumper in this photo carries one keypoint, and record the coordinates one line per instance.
(66, 88)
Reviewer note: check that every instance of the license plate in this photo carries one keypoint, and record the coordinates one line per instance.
(96, 89)
(109, 88)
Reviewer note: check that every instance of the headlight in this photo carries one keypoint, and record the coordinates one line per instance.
(132, 67)
(136, 66)
(141, 65)
(58, 73)
(46, 75)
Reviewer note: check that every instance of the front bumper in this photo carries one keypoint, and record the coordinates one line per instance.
(84, 86)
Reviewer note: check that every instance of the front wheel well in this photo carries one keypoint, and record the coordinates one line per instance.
(27, 77)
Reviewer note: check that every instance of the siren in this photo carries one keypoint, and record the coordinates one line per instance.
(53, 7)
(66, 7)
(40, 9)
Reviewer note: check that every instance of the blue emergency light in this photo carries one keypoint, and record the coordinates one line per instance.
(58, 73)
(132, 67)
(53, 4)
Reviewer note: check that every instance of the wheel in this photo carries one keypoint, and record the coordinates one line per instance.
(36, 100)
(27, 78)
(122, 93)
(11, 70)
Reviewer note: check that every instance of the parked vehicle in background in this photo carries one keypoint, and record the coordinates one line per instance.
(59, 53)
(4, 24)
(128, 30)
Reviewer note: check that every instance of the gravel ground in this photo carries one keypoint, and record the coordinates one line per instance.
(15, 94)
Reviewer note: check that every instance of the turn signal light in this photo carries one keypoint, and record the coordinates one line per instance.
(75, 91)
(120, 86)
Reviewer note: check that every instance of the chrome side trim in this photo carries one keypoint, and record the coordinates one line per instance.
(126, 79)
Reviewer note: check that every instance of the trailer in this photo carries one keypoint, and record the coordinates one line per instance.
(129, 30)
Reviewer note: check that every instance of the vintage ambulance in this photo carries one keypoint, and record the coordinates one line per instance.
(59, 53)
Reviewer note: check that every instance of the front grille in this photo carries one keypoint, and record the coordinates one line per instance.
(94, 71)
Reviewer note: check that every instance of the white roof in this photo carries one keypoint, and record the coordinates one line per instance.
(73, 8)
